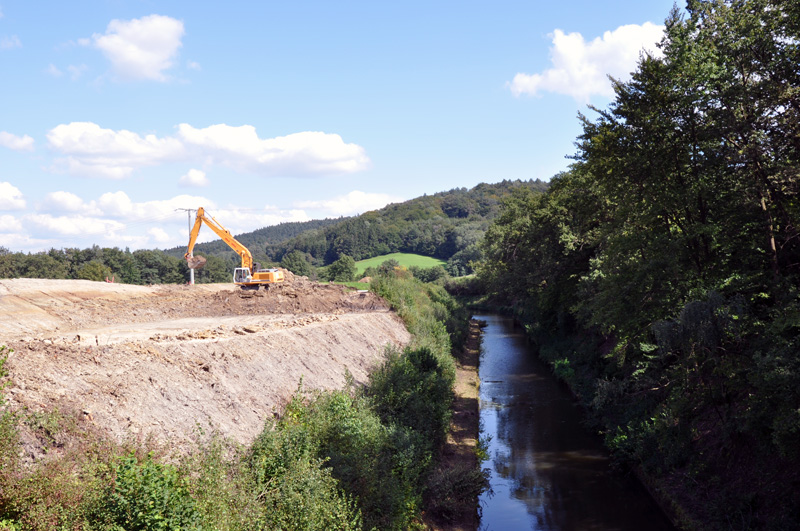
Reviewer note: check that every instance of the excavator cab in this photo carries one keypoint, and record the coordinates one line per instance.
(241, 275)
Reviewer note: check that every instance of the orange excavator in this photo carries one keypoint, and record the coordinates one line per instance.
(249, 276)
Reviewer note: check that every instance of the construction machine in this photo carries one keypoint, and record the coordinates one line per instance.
(249, 276)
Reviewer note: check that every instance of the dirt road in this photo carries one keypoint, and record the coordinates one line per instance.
(137, 361)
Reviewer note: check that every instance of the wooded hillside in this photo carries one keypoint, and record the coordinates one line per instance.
(447, 225)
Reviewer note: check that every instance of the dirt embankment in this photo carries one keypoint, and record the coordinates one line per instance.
(138, 361)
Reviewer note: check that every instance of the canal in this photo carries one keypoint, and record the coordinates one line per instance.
(548, 472)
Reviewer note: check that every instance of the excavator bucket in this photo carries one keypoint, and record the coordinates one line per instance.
(196, 262)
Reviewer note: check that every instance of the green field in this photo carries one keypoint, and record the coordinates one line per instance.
(405, 259)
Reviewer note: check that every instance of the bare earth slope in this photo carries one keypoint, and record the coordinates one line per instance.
(138, 361)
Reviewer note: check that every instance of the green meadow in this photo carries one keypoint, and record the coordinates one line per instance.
(404, 259)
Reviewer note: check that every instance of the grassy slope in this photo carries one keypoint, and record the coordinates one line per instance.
(404, 259)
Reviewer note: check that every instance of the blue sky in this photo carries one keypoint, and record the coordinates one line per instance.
(114, 114)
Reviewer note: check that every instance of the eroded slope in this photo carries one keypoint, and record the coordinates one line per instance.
(137, 361)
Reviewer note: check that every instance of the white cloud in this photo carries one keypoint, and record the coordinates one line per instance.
(142, 48)
(193, 65)
(7, 43)
(580, 68)
(10, 197)
(9, 224)
(61, 201)
(76, 225)
(355, 202)
(194, 178)
(159, 235)
(90, 150)
(297, 154)
(17, 143)
(96, 152)
(53, 70)
(118, 205)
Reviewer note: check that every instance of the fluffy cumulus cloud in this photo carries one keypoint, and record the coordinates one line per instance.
(159, 235)
(355, 202)
(298, 154)
(119, 206)
(142, 48)
(92, 151)
(194, 179)
(77, 225)
(17, 143)
(67, 202)
(580, 69)
(9, 224)
(10, 197)
(86, 149)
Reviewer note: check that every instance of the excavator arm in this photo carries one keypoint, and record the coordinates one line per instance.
(222, 232)
(246, 276)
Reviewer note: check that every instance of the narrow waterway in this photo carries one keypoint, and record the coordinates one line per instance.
(548, 472)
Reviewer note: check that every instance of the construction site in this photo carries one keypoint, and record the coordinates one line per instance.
(161, 362)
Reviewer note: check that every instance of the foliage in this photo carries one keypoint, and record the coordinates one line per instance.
(94, 270)
(660, 275)
(297, 490)
(428, 274)
(147, 495)
(298, 263)
(342, 270)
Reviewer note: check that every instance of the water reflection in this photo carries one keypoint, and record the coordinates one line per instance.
(548, 472)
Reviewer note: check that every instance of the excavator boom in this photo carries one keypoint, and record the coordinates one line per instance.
(244, 276)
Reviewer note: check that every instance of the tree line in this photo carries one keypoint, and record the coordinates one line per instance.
(660, 274)
(143, 266)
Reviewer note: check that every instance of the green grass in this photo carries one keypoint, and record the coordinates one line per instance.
(405, 259)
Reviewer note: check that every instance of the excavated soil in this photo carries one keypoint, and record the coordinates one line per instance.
(138, 361)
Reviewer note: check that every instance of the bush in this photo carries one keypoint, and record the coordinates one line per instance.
(414, 391)
(146, 495)
(296, 489)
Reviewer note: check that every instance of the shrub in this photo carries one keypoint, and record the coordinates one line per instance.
(296, 490)
(146, 495)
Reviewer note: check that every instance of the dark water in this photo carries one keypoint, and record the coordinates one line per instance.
(548, 472)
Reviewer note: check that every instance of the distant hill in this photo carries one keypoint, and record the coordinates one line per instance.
(446, 225)
(257, 240)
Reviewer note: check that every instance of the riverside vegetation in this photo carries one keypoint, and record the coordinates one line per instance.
(660, 275)
(359, 458)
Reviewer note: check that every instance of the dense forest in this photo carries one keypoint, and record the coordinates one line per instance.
(660, 274)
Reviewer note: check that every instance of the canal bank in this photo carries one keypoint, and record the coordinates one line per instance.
(547, 471)
(459, 454)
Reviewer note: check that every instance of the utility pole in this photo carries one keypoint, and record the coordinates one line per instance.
(189, 214)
